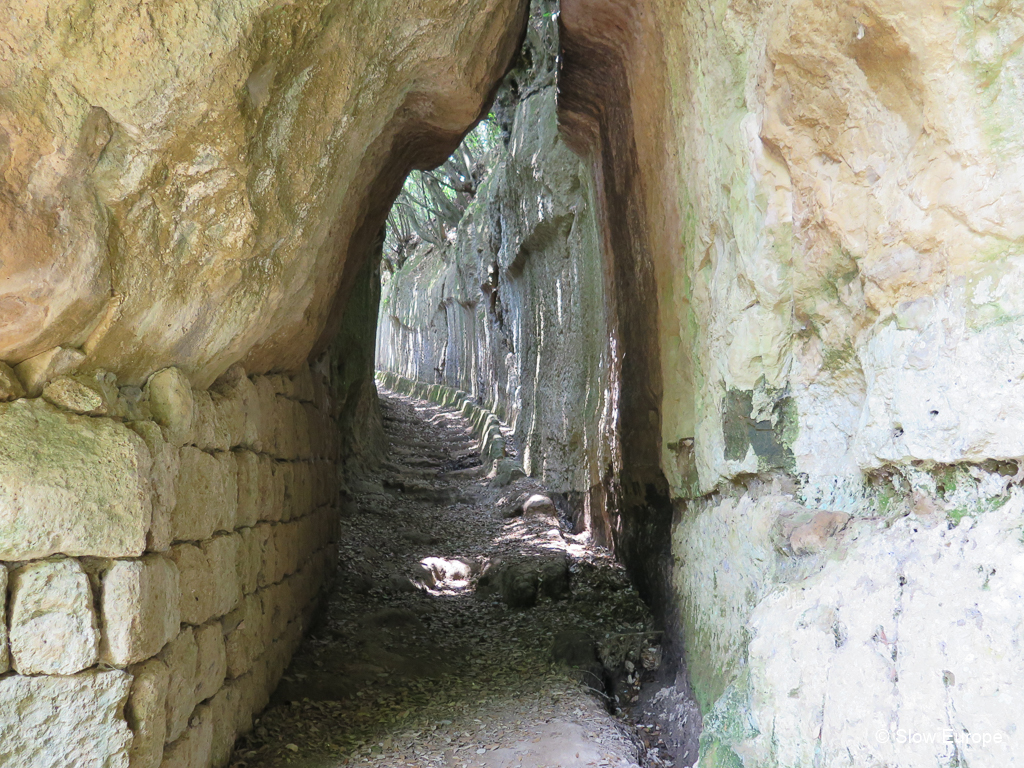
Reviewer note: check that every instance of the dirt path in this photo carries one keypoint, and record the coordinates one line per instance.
(439, 641)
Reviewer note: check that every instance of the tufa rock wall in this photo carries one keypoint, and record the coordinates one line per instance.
(162, 553)
(198, 184)
(512, 311)
(813, 218)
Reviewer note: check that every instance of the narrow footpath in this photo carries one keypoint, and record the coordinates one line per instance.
(467, 628)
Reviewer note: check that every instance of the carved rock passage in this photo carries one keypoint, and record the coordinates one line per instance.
(194, 184)
(814, 234)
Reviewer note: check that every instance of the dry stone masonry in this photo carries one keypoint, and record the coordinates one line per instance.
(161, 562)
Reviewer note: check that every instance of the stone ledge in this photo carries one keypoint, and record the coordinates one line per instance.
(486, 424)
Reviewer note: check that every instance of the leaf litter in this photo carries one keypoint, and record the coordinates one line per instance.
(414, 663)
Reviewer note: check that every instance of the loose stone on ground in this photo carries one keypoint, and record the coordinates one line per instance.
(438, 646)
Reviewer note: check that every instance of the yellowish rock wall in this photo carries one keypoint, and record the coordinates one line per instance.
(161, 562)
(198, 184)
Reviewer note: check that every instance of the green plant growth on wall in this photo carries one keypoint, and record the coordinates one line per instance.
(432, 203)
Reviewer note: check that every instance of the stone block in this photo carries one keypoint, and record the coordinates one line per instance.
(72, 395)
(302, 385)
(204, 428)
(249, 500)
(229, 421)
(166, 463)
(64, 722)
(211, 660)
(302, 489)
(250, 557)
(36, 371)
(284, 479)
(282, 429)
(207, 495)
(53, 623)
(224, 709)
(72, 484)
(197, 601)
(228, 503)
(222, 555)
(10, 384)
(244, 635)
(239, 401)
(192, 749)
(274, 478)
(266, 399)
(172, 405)
(181, 656)
(140, 609)
(4, 658)
(146, 713)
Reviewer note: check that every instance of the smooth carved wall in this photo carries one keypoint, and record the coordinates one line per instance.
(823, 201)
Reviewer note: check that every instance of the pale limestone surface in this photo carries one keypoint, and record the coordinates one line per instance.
(249, 469)
(531, 239)
(53, 622)
(225, 709)
(164, 483)
(197, 594)
(194, 746)
(64, 722)
(206, 495)
(38, 370)
(10, 385)
(146, 713)
(72, 484)
(211, 661)
(221, 553)
(919, 633)
(180, 656)
(172, 404)
(139, 605)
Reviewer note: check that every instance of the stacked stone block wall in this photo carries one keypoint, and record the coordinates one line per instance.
(162, 551)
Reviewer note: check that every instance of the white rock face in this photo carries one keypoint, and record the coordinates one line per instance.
(71, 484)
(53, 623)
(64, 722)
(207, 495)
(172, 404)
(904, 651)
(140, 609)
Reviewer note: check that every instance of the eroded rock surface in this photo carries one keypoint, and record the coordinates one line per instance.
(516, 302)
(64, 722)
(71, 484)
(199, 184)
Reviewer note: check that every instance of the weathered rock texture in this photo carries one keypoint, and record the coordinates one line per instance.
(241, 490)
(815, 256)
(512, 312)
(64, 722)
(199, 184)
(808, 353)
